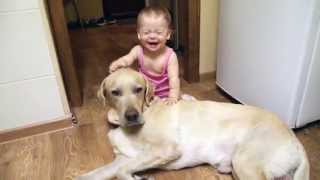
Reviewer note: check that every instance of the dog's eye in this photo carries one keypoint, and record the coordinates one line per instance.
(137, 90)
(116, 92)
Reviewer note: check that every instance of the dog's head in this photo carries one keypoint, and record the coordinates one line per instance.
(128, 92)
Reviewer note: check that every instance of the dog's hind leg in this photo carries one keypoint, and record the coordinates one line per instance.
(245, 169)
(246, 172)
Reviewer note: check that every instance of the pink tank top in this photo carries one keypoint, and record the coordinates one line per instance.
(161, 81)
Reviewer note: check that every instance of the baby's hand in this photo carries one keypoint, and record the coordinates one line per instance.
(170, 101)
(116, 65)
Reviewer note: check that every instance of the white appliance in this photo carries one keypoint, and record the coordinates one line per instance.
(269, 56)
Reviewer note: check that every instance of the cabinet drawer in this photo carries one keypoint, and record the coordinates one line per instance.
(31, 101)
(15, 5)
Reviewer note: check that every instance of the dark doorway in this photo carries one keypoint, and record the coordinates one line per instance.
(124, 8)
(79, 73)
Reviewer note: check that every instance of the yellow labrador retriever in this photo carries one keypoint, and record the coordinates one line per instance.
(249, 141)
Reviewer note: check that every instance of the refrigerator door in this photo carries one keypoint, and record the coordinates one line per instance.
(261, 49)
(310, 105)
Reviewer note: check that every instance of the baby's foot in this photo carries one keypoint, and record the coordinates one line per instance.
(188, 97)
(155, 100)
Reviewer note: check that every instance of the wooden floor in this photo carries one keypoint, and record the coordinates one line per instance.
(66, 153)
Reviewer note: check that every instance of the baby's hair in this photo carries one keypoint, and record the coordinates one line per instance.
(157, 11)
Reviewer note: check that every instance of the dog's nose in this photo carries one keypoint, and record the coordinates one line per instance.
(131, 115)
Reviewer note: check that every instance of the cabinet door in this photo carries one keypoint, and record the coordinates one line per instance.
(23, 47)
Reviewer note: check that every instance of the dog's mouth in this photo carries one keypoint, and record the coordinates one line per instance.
(134, 123)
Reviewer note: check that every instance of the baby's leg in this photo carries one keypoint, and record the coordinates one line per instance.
(113, 117)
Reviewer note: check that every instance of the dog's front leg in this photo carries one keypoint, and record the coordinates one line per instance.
(108, 171)
(155, 158)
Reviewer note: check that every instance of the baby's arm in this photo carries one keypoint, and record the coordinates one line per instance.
(174, 81)
(125, 60)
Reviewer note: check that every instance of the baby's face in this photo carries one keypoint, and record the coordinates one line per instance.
(153, 33)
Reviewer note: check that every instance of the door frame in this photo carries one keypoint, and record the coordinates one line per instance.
(63, 47)
(190, 30)
(190, 9)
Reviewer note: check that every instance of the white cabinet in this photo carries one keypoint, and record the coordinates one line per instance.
(31, 88)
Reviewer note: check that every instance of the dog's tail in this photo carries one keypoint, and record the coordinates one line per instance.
(303, 170)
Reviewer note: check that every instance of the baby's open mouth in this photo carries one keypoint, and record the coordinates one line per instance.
(153, 43)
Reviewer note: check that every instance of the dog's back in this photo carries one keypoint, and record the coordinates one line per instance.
(215, 133)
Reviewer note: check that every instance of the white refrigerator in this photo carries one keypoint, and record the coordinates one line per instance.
(269, 56)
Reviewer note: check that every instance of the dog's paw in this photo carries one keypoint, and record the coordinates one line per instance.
(85, 177)
(143, 177)
(81, 178)
(225, 169)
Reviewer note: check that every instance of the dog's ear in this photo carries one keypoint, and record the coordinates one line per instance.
(102, 93)
(149, 93)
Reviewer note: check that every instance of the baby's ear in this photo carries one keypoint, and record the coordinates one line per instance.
(102, 93)
(139, 37)
(168, 37)
(170, 31)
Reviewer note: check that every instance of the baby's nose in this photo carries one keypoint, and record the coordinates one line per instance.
(153, 35)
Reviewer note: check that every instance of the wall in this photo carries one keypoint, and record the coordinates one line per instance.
(31, 88)
(165, 3)
(208, 35)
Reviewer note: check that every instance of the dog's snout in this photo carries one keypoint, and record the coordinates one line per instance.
(132, 115)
